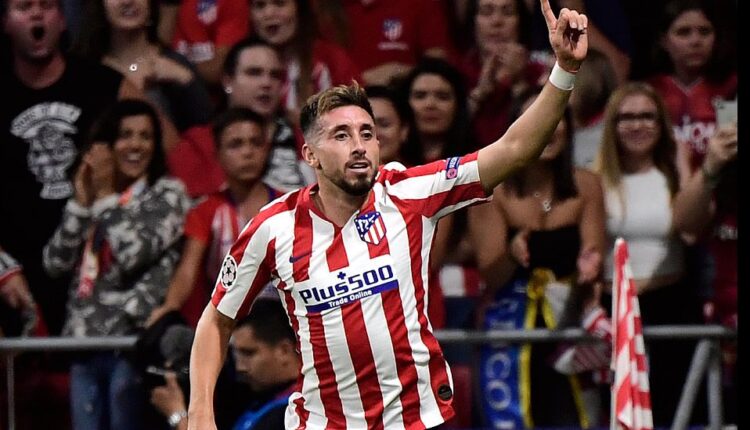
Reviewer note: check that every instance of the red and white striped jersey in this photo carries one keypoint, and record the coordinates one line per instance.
(356, 296)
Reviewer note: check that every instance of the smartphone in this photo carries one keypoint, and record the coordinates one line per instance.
(726, 111)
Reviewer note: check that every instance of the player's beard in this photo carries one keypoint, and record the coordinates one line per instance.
(358, 186)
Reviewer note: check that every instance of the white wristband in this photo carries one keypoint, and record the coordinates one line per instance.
(562, 79)
(176, 417)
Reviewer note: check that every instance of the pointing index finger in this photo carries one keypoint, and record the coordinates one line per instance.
(549, 16)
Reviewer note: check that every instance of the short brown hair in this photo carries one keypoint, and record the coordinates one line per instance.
(330, 99)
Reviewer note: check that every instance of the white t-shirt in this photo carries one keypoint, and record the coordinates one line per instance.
(646, 224)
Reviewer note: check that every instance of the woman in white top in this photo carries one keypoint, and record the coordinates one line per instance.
(637, 164)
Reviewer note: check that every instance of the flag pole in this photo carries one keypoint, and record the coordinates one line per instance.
(615, 297)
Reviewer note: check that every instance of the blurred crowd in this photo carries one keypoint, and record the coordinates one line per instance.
(138, 137)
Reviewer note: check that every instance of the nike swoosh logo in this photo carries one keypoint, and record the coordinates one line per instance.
(295, 258)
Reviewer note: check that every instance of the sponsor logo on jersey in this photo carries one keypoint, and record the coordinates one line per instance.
(370, 227)
(451, 167)
(228, 272)
(349, 289)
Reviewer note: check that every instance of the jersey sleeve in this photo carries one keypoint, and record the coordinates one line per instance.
(438, 188)
(246, 269)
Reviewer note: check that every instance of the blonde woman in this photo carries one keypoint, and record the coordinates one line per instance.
(637, 164)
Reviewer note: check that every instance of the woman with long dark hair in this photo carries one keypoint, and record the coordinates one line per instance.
(123, 36)
(119, 237)
(539, 245)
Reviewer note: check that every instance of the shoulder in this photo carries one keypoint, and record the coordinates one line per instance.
(171, 185)
(210, 202)
(173, 190)
(284, 203)
(91, 72)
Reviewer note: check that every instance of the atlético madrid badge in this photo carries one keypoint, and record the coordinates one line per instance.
(370, 227)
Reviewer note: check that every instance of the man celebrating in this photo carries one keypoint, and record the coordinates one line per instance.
(349, 257)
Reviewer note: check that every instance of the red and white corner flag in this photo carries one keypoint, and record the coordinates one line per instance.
(631, 398)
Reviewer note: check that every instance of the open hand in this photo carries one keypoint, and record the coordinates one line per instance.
(589, 262)
(567, 35)
(722, 148)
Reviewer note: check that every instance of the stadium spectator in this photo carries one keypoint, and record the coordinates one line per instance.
(206, 30)
(50, 102)
(539, 246)
(122, 35)
(242, 149)
(252, 78)
(636, 162)
(386, 38)
(497, 66)
(118, 237)
(312, 64)
(707, 206)
(394, 126)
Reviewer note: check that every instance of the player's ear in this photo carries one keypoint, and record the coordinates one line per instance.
(308, 154)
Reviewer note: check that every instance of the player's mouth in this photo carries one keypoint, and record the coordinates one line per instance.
(358, 166)
(38, 32)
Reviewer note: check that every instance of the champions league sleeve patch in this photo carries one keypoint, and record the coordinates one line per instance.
(451, 167)
(370, 227)
(228, 272)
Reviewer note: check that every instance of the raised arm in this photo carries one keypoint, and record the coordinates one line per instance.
(206, 359)
(693, 206)
(527, 136)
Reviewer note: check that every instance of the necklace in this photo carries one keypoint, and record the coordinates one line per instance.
(546, 202)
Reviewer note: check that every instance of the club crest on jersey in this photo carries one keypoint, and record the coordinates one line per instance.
(370, 227)
(392, 29)
(451, 167)
(228, 272)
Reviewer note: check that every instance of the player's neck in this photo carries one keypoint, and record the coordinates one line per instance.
(336, 204)
(42, 74)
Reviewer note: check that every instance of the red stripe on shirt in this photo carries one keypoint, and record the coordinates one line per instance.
(336, 253)
(302, 245)
(299, 403)
(454, 196)
(364, 364)
(329, 392)
(405, 366)
(261, 279)
(437, 365)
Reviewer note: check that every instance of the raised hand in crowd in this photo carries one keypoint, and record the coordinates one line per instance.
(722, 148)
(94, 178)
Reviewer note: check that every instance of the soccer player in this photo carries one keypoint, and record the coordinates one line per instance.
(349, 257)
